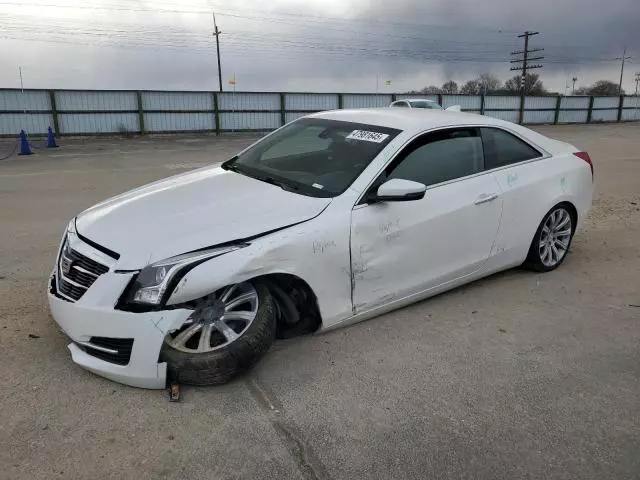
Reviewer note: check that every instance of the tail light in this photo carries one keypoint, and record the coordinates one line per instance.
(585, 156)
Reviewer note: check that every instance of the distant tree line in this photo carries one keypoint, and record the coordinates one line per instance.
(489, 84)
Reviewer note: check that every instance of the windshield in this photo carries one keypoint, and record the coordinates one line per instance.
(312, 156)
(425, 104)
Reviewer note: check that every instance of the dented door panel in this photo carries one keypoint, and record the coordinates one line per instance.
(402, 248)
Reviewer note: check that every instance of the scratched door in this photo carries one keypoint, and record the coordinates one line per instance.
(402, 248)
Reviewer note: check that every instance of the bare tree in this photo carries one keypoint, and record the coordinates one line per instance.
(450, 87)
(489, 83)
(430, 90)
(604, 87)
(471, 87)
(532, 84)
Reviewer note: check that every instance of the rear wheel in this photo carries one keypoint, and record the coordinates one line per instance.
(552, 240)
(228, 332)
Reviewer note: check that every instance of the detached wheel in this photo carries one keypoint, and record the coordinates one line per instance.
(552, 240)
(227, 333)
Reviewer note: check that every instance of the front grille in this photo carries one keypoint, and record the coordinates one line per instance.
(124, 346)
(76, 273)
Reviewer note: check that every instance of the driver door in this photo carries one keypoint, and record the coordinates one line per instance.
(407, 247)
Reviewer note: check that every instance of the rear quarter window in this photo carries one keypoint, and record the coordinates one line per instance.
(502, 148)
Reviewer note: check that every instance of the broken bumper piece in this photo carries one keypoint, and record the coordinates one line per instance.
(121, 346)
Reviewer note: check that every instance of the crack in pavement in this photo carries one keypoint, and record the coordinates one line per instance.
(307, 462)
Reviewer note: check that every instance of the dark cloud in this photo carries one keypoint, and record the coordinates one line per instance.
(411, 42)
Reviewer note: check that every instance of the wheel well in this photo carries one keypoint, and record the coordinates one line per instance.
(296, 304)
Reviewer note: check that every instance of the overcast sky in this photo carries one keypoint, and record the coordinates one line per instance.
(309, 45)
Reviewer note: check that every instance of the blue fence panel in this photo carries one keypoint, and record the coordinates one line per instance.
(604, 115)
(466, 102)
(71, 123)
(574, 102)
(365, 100)
(82, 100)
(537, 116)
(32, 123)
(291, 116)
(501, 101)
(311, 101)
(248, 101)
(606, 102)
(250, 121)
(27, 100)
(572, 116)
(509, 116)
(631, 114)
(176, 122)
(87, 111)
(533, 103)
(177, 101)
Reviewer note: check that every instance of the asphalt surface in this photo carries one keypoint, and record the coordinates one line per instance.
(519, 375)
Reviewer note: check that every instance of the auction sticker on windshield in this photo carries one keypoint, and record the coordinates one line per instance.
(374, 137)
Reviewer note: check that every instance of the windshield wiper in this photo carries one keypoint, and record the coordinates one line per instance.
(277, 183)
(239, 168)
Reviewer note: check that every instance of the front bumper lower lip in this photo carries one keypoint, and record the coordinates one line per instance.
(80, 322)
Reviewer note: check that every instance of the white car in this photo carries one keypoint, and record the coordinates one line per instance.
(423, 103)
(334, 218)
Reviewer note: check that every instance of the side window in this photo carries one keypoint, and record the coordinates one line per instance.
(502, 148)
(400, 104)
(440, 156)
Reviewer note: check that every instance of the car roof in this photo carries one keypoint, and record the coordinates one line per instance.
(410, 120)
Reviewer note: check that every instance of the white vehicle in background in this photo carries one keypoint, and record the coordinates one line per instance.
(423, 103)
(334, 218)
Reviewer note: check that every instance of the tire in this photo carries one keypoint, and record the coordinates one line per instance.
(221, 365)
(542, 257)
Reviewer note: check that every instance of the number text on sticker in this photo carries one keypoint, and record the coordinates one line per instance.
(375, 137)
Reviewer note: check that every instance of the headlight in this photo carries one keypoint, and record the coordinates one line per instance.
(156, 279)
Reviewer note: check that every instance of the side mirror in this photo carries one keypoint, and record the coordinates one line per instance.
(398, 190)
(453, 108)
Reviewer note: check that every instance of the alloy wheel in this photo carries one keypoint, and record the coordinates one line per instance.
(555, 237)
(217, 321)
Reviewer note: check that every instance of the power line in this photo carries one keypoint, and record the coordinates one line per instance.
(207, 8)
(306, 35)
(175, 38)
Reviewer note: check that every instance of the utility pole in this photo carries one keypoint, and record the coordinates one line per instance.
(24, 108)
(524, 61)
(216, 33)
(637, 81)
(526, 58)
(623, 58)
(574, 80)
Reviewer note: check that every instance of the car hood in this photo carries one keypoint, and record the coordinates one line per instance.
(187, 212)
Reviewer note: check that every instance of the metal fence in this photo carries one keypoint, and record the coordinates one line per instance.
(91, 112)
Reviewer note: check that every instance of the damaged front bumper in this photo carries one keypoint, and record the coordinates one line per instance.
(121, 346)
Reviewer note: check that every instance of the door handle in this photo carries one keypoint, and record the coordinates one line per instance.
(486, 197)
